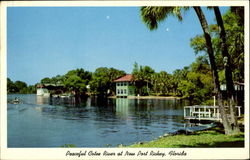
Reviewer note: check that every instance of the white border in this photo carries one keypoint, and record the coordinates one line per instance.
(46, 153)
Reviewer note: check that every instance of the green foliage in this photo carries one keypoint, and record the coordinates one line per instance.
(46, 80)
(54, 80)
(68, 146)
(234, 27)
(197, 85)
(161, 83)
(193, 82)
(19, 87)
(151, 16)
(77, 81)
(142, 77)
(102, 80)
(11, 87)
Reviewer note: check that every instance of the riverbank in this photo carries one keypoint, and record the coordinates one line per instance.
(212, 137)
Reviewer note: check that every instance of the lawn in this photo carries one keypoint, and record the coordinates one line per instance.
(213, 137)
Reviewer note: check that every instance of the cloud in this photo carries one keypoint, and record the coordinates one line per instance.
(107, 17)
(167, 29)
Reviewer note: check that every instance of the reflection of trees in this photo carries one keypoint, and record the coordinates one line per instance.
(67, 102)
(109, 115)
(64, 108)
(148, 112)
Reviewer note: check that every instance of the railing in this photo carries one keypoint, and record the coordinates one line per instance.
(204, 112)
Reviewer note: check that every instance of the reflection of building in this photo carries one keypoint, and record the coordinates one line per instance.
(124, 86)
(125, 107)
(122, 107)
(42, 100)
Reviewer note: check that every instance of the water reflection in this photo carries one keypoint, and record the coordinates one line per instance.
(90, 122)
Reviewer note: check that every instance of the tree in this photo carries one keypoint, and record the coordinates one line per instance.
(197, 85)
(228, 71)
(102, 80)
(11, 87)
(228, 42)
(45, 80)
(161, 83)
(178, 75)
(152, 15)
(21, 86)
(142, 77)
(77, 81)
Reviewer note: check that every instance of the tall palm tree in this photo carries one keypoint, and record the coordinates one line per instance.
(228, 71)
(151, 16)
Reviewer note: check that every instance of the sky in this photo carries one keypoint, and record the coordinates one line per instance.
(49, 41)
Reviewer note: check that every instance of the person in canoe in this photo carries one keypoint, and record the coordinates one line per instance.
(16, 101)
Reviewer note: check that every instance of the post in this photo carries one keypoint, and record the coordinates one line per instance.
(214, 101)
(214, 112)
(184, 112)
(239, 110)
(218, 114)
(199, 114)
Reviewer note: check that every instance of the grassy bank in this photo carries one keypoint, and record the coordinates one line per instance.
(213, 137)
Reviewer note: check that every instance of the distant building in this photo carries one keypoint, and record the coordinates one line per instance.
(239, 92)
(237, 86)
(46, 89)
(124, 86)
(42, 91)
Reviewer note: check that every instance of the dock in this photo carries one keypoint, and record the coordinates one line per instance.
(204, 113)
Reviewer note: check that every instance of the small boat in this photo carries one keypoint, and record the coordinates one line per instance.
(65, 95)
(16, 101)
(55, 96)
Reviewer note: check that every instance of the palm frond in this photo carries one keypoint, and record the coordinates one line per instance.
(151, 16)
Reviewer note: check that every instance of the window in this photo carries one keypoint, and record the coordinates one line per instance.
(118, 91)
(125, 84)
(125, 91)
(118, 84)
(121, 91)
(121, 83)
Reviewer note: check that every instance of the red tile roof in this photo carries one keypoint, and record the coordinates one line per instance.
(126, 78)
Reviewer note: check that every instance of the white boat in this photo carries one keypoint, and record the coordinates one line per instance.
(65, 96)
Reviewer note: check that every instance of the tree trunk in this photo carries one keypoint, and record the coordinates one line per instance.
(210, 52)
(228, 72)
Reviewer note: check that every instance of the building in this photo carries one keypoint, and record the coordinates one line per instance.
(124, 86)
(48, 89)
(42, 91)
(239, 93)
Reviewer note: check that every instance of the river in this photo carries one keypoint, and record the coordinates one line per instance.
(51, 122)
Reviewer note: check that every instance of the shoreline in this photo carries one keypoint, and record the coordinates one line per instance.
(210, 137)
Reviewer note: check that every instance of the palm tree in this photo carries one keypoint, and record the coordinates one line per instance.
(151, 16)
(227, 66)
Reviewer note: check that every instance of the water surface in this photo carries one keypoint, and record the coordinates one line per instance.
(52, 122)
